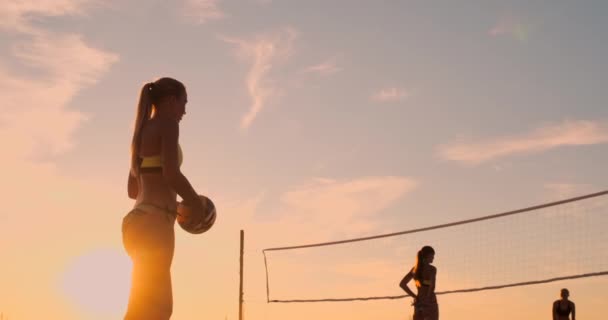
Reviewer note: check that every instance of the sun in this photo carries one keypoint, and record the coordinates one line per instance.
(98, 282)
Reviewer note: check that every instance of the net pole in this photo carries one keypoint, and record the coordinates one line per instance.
(267, 285)
(241, 276)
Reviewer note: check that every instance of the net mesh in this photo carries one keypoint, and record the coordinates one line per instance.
(549, 242)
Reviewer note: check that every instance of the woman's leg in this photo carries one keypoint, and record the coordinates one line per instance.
(427, 312)
(149, 239)
(433, 312)
(418, 314)
(150, 297)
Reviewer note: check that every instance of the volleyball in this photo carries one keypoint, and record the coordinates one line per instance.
(197, 222)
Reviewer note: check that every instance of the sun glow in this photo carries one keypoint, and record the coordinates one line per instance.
(98, 282)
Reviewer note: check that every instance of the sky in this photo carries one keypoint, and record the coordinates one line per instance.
(307, 121)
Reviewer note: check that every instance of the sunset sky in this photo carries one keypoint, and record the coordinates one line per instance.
(307, 121)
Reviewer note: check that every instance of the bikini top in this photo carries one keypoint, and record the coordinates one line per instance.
(155, 163)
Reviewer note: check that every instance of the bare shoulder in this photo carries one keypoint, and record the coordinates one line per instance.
(168, 130)
(168, 126)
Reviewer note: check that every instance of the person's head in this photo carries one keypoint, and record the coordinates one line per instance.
(165, 97)
(425, 256)
(564, 293)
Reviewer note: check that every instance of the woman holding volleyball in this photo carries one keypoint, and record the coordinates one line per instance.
(154, 182)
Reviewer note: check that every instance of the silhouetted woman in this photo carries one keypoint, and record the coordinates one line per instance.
(154, 181)
(563, 307)
(424, 275)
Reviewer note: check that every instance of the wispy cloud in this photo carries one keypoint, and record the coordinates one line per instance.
(16, 15)
(325, 203)
(568, 133)
(43, 123)
(202, 11)
(390, 94)
(264, 53)
(325, 68)
(510, 27)
(561, 190)
(323, 208)
(57, 65)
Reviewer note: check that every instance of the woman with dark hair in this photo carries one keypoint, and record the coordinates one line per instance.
(563, 307)
(424, 275)
(154, 182)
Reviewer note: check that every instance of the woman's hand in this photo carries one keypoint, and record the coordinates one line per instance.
(197, 205)
(415, 300)
(194, 206)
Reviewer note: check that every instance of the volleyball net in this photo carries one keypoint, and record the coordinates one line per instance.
(548, 242)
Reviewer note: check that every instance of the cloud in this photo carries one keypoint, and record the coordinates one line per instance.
(57, 65)
(264, 53)
(321, 209)
(568, 133)
(16, 15)
(202, 11)
(390, 94)
(323, 204)
(558, 191)
(64, 64)
(325, 68)
(510, 27)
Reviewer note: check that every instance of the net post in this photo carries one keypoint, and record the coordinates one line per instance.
(241, 276)
(267, 285)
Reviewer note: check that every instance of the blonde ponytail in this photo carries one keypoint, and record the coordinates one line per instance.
(144, 108)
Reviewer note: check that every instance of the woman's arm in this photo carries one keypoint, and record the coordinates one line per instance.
(403, 284)
(171, 172)
(132, 186)
(554, 310)
(573, 312)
